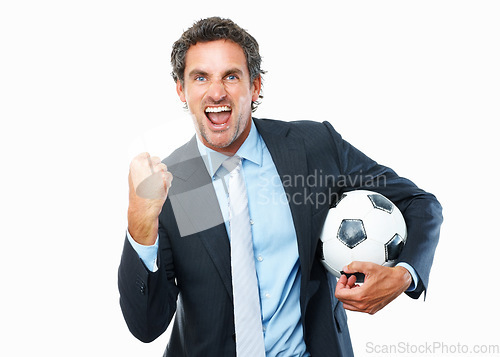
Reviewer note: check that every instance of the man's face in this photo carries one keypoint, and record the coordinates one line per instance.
(219, 94)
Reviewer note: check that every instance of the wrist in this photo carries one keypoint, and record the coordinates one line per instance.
(143, 228)
(404, 276)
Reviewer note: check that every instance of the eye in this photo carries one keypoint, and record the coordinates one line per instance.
(232, 77)
(200, 79)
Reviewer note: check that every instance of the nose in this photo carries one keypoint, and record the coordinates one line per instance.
(216, 91)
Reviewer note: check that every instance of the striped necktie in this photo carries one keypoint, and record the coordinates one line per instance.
(247, 314)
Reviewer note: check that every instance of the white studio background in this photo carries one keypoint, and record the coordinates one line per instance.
(85, 85)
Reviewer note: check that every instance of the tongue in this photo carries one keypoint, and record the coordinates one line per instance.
(219, 118)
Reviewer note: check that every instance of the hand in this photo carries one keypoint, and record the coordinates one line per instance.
(149, 182)
(381, 286)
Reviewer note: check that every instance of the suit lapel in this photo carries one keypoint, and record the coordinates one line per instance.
(289, 157)
(197, 211)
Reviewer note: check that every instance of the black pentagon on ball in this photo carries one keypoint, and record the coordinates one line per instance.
(351, 232)
(382, 203)
(320, 251)
(393, 248)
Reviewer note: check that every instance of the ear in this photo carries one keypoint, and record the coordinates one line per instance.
(256, 86)
(180, 91)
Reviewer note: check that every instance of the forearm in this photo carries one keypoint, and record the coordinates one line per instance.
(423, 219)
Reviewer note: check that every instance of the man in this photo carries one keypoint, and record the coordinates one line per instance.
(178, 255)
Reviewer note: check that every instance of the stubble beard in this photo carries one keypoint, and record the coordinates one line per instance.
(206, 136)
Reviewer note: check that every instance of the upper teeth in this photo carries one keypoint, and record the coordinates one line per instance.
(217, 109)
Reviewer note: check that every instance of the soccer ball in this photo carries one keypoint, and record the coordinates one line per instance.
(363, 226)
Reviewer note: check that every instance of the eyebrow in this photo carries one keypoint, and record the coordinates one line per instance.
(199, 72)
(196, 72)
(233, 71)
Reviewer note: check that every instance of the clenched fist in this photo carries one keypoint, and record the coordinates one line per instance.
(149, 182)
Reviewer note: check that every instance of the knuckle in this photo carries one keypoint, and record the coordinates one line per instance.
(155, 160)
(139, 159)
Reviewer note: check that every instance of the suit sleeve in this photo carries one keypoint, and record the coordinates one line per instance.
(421, 210)
(147, 299)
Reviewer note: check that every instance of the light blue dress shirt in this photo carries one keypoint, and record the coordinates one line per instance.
(274, 239)
(275, 243)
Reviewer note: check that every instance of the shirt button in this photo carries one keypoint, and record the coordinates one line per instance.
(267, 295)
(259, 258)
(251, 221)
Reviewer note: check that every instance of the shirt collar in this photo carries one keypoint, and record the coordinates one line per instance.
(251, 150)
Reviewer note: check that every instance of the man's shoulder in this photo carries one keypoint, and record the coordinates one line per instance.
(305, 129)
(275, 123)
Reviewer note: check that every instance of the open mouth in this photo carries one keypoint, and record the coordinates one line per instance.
(218, 116)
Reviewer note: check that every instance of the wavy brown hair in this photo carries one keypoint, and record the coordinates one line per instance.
(213, 29)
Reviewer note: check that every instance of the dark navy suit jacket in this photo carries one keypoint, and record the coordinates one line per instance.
(194, 277)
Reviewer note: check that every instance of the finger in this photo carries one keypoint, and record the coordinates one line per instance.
(357, 308)
(150, 162)
(168, 177)
(348, 283)
(351, 292)
(159, 167)
(358, 267)
(155, 160)
(351, 297)
(342, 280)
(344, 293)
(351, 282)
(139, 169)
(141, 161)
(143, 156)
(350, 307)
